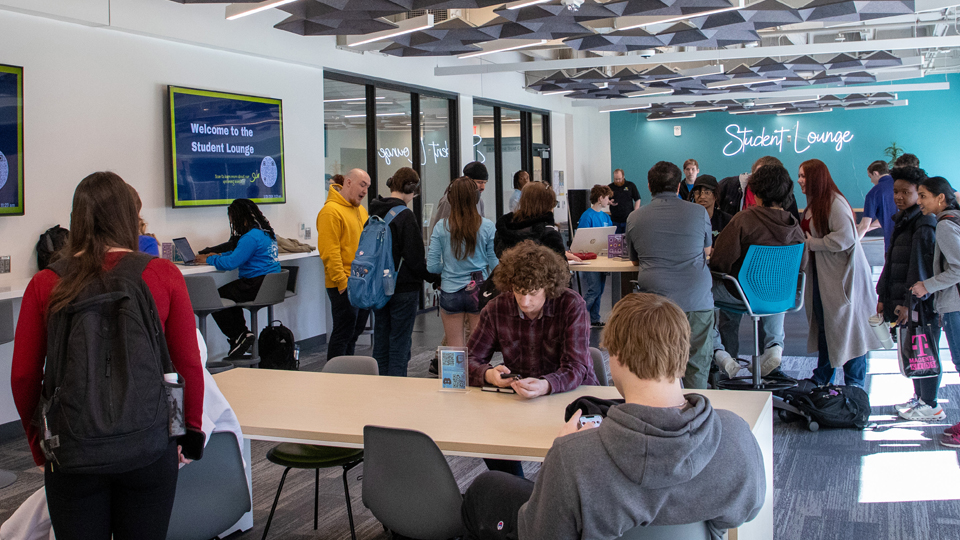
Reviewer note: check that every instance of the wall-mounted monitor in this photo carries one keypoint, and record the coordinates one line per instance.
(225, 147)
(11, 141)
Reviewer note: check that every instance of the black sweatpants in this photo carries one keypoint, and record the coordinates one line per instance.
(131, 505)
(491, 504)
(231, 320)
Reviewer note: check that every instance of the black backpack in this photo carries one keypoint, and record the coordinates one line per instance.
(104, 405)
(834, 406)
(49, 244)
(278, 348)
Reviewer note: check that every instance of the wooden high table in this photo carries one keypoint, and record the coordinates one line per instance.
(332, 409)
(619, 287)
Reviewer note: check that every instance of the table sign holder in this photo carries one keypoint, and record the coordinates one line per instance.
(454, 375)
(617, 247)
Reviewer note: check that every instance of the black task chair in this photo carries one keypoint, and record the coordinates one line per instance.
(272, 291)
(408, 485)
(601, 366)
(291, 289)
(7, 331)
(206, 300)
(310, 456)
(212, 493)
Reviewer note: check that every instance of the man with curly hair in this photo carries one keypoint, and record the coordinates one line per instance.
(542, 328)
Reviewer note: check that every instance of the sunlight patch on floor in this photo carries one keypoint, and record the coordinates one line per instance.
(909, 476)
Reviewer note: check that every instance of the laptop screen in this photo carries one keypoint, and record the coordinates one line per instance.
(183, 247)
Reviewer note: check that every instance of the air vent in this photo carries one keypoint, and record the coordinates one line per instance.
(439, 15)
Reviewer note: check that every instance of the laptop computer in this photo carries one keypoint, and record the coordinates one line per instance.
(591, 239)
(185, 251)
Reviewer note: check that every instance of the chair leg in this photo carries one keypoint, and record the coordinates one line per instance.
(756, 352)
(346, 492)
(255, 328)
(275, 501)
(316, 500)
(269, 315)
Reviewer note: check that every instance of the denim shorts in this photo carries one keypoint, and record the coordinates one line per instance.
(462, 301)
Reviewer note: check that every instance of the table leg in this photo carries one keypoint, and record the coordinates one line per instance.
(620, 286)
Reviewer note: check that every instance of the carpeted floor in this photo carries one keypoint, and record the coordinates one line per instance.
(891, 481)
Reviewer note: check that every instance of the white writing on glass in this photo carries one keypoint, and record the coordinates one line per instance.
(437, 151)
(744, 138)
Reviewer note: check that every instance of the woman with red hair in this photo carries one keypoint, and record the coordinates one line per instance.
(840, 297)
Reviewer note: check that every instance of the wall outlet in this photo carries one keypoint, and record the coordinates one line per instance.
(676, 131)
(306, 233)
(5, 264)
(789, 138)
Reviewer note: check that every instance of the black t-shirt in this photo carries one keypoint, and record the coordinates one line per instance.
(624, 196)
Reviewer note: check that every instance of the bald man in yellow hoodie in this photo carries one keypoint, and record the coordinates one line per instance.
(339, 225)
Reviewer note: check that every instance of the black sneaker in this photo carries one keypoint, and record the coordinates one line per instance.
(240, 347)
(598, 324)
(434, 368)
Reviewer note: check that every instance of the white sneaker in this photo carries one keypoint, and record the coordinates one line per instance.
(770, 360)
(922, 411)
(726, 362)
(899, 407)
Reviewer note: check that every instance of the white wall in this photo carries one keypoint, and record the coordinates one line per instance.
(95, 73)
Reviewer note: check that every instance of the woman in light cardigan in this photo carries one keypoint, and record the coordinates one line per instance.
(839, 297)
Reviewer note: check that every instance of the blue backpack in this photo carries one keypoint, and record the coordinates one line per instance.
(372, 276)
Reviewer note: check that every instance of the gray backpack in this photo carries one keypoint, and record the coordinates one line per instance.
(104, 407)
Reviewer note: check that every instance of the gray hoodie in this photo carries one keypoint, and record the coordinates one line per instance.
(647, 466)
(946, 265)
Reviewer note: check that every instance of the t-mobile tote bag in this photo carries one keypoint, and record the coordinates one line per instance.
(918, 347)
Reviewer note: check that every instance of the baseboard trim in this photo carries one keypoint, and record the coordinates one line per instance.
(11, 431)
(313, 344)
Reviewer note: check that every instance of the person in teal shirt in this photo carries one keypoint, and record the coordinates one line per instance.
(254, 257)
(594, 282)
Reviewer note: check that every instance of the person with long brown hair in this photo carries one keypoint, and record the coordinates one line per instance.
(840, 297)
(532, 220)
(131, 498)
(461, 251)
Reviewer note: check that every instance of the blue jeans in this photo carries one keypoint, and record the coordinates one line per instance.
(854, 370)
(727, 333)
(593, 284)
(392, 331)
(951, 327)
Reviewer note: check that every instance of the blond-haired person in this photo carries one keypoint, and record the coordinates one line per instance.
(658, 448)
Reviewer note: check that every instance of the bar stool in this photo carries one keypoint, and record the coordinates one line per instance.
(206, 300)
(272, 291)
(291, 289)
(6, 336)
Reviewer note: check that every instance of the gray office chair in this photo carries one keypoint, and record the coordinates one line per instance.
(408, 485)
(601, 366)
(352, 365)
(272, 291)
(291, 289)
(212, 493)
(310, 456)
(206, 300)
(7, 332)
(689, 531)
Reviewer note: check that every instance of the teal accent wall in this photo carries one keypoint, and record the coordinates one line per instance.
(929, 126)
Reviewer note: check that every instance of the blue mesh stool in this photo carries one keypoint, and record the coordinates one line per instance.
(769, 283)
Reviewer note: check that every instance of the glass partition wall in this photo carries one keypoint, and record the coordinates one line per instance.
(380, 126)
(508, 139)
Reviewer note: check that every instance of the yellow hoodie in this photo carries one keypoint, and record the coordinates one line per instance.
(339, 225)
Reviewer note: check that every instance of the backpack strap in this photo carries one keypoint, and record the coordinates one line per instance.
(390, 215)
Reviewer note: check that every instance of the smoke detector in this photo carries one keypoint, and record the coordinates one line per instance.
(572, 5)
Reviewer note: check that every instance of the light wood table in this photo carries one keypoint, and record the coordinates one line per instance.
(332, 409)
(619, 287)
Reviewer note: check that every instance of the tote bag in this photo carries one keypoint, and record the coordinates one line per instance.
(918, 347)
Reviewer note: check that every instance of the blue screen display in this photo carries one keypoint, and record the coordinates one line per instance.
(225, 147)
(11, 140)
